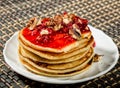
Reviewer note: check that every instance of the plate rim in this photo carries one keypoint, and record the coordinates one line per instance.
(57, 81)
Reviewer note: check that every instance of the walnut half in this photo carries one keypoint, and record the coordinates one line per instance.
(32, 23)
(57, 27)
(75, 32)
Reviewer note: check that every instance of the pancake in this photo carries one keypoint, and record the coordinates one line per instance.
(39, 72)
(82, 43)
(54, 56)
(65, 49)
(60, 68)
(37, 58)
(76, 63)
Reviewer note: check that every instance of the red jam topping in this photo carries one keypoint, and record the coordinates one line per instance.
(54, 39)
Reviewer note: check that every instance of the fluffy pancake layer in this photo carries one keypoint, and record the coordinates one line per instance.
(62, 66)
(40, 72)
(57, 56)
(37, 58)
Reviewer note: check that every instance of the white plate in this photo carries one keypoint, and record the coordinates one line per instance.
(104, 46)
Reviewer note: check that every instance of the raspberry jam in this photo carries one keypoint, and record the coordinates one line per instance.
(54, 39)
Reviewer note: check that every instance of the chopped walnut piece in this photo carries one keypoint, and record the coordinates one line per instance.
(97, 57)
(39, 21)
(66, 15)
(44, 32)
(71, 32)
(66, 19)
(75, 32)
(58, 19)
(32, 23)
(71, 16)
(75, 26)
(79, 21)
(50, 23)
(57, 27)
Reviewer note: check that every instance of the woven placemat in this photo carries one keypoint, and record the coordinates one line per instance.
(102, 14)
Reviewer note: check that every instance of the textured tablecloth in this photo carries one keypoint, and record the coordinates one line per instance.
(102, 14)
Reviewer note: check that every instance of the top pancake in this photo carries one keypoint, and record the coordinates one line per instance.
(61, 33)
(56, 56)
(65, 49)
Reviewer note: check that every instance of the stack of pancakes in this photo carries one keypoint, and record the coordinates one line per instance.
(57, 63)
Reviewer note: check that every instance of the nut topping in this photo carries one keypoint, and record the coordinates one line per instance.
(39, 21)
(75, 32)
(97, 57)
(32, 23)
(43, 32)
(67, 19)
(80, 21)
(50, 23)
(58, 19)
(65, 23)
(72, 16)
(57, 27)
(75, 26)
